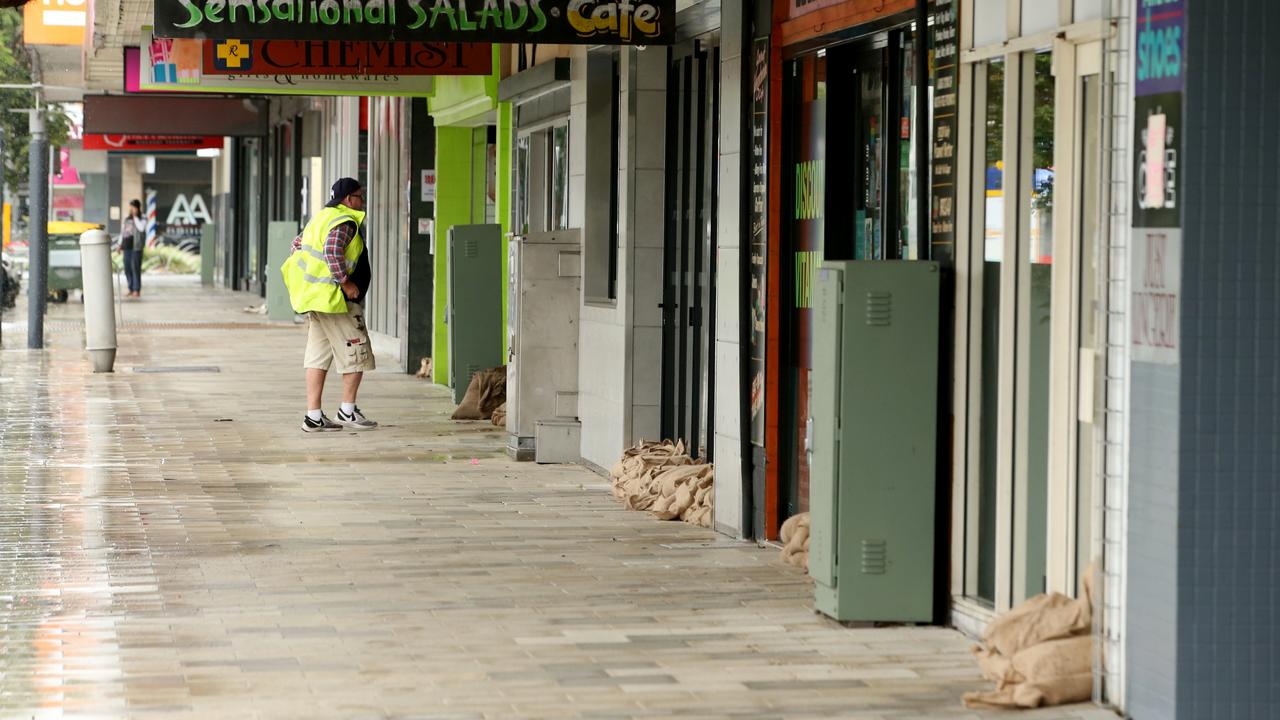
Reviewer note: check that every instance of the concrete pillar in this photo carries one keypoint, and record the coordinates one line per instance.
(732, 493)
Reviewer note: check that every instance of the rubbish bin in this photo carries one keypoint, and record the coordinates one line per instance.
(65, 273)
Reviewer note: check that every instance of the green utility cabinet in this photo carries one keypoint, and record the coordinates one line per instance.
(280, 235)
(475, 303)
(209, 252)
(873, 466)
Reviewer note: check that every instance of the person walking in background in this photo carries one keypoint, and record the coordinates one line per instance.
(327, 277)
(133, 233)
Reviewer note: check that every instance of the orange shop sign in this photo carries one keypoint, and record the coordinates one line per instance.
(804, 7)
(55, 22)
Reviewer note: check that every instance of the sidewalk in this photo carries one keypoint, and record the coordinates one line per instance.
(173, 546)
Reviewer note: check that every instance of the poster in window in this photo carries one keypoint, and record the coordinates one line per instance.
(759, 237)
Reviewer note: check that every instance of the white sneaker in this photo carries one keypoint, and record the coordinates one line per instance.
(356, 420)
(324, 424)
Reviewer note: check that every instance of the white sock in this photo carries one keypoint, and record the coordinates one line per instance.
(315, 415)
(348, 408)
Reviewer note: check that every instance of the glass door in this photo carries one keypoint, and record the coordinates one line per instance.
(1031, 295)
(1036, 306)
(806, 185)
(1090, 339)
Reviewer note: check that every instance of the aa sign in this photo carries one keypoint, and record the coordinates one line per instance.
(54, 22)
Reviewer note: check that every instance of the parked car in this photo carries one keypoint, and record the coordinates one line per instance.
(11, 281)
(64, 258)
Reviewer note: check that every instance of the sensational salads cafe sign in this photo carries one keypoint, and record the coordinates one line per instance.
(593, 22)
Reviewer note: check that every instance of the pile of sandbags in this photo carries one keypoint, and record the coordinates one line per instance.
(795, 540)
(662, 478)
(486, 393)
(1039, 653)
(424, 369)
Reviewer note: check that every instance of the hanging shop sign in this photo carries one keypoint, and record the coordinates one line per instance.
(759, 238)
(150, 143)
(341, 57)
(178, 65)
(583, 22)
(54, 22)
(804, 7)
(1161, 44)
(942, 187)
(169, 115)
(1155, 252)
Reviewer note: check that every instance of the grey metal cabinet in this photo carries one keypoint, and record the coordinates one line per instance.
(873, 480)
(475, 303)
(542, 320)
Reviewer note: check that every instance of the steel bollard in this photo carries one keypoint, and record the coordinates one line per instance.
(99, 301)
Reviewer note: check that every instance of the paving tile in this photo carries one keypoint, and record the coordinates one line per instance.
(172, 546)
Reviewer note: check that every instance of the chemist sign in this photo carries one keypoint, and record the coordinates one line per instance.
(582, 22)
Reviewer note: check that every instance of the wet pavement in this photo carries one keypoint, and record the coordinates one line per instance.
(173, 546)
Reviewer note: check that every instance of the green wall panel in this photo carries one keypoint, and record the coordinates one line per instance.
(462, 108)
(453, 207)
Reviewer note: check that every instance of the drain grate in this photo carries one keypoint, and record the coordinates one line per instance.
(178, 369)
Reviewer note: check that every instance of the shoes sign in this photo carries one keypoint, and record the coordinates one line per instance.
(582, 22)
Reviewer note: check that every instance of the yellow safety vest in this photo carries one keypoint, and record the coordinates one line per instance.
(306, 273)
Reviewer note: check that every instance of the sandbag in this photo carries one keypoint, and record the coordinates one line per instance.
(424, 369)
(1043, 617)
(1039, 653)
(1055, 672)
(662, 478)
(488, 390)
(493, 391)
(795, 538)
(500, 416)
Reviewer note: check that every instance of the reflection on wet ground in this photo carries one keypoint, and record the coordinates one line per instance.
(172, 546)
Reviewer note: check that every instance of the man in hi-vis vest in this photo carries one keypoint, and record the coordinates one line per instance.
(327, 276)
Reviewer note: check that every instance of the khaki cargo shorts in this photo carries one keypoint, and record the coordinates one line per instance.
(339, 339)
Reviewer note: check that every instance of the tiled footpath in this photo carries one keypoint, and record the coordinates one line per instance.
(172, 546)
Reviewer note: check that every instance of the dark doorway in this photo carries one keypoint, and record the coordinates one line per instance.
(849, 186)
(688, 282)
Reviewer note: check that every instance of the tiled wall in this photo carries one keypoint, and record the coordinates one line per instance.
(729, 243)
(620, 345)
(1229, 485)
(1151, 653)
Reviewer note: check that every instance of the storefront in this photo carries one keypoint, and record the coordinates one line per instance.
(472, 182)
(1036, 479)
(845, 186)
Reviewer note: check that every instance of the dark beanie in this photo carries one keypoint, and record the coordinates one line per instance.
(341, 189)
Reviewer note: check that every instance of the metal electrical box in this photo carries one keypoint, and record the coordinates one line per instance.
(873, 471)
(475, 303)
(280, 237)
(545, 287)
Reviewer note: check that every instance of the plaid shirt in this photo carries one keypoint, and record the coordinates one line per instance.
(335, 248)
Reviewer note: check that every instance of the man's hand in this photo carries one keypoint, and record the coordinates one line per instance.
(350, 290)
